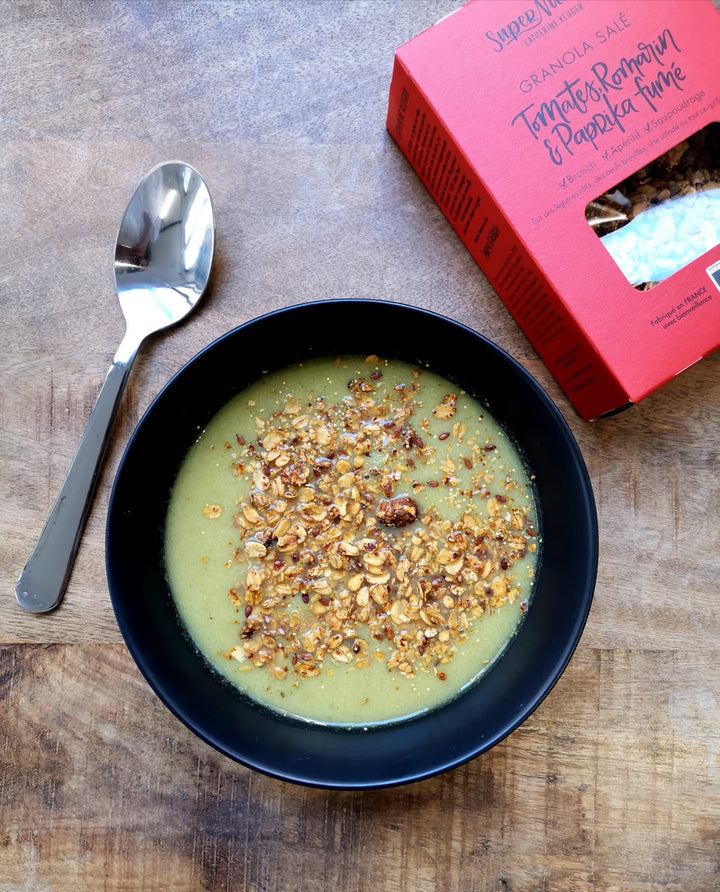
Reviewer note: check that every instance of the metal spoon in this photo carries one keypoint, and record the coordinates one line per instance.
(163, 257)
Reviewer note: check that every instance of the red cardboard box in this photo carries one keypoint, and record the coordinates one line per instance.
(574, 147)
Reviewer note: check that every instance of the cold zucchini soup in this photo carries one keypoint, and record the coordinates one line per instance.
(352, 541)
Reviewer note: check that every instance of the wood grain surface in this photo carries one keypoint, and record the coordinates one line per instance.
(612, 784)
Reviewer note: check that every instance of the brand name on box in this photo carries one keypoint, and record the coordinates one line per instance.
(528, 20)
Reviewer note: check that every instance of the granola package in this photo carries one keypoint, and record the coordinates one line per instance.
(574, 146)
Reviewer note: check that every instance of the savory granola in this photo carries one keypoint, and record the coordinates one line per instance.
(345, 562)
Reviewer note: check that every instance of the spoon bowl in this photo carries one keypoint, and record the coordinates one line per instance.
(164, 248)
(163, 256)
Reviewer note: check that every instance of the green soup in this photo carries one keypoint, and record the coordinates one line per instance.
(352, 541)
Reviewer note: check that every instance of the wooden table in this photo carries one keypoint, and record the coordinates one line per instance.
(612, 784)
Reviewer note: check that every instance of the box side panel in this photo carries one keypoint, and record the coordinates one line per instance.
(470, 208)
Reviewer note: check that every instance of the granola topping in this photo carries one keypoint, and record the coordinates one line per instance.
(342, 558)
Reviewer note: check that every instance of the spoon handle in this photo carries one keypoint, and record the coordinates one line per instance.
(43, 581)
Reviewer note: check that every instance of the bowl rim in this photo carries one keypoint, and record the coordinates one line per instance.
(306, 771)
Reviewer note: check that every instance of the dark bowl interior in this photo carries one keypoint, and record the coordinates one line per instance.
(382, 755)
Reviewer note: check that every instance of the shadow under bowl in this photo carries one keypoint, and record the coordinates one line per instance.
(383, 755)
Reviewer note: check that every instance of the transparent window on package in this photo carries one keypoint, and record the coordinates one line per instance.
(665, 215)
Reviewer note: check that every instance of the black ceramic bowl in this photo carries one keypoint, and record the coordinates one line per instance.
(383, 755)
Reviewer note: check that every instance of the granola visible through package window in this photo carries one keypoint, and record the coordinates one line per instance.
(664, 215)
